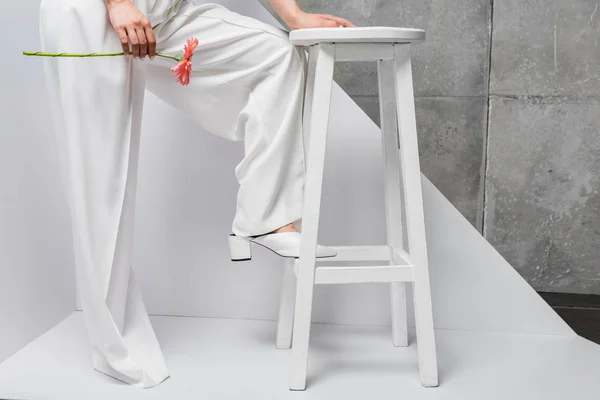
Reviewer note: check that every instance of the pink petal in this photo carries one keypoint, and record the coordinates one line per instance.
(183, 71)
(185, 78)
(189, 47)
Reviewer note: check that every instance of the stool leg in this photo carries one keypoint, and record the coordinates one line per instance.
(393, 193)
(320, 78)
(399, 314)
(285, 322)
(415, 220)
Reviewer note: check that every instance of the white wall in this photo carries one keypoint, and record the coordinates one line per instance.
(36, 266)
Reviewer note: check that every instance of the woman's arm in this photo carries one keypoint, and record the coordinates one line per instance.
(295, 18)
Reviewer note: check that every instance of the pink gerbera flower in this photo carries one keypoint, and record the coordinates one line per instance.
(184, 68)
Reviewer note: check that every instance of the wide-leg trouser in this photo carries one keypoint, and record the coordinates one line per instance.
(247, 84)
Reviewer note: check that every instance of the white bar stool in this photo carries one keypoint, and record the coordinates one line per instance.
(403, 259)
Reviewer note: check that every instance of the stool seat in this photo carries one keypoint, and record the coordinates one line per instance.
(366, 34)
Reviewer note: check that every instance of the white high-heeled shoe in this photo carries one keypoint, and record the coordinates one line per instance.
(284, 244)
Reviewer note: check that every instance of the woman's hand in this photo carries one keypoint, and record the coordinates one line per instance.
(133, 28)
(306, 20)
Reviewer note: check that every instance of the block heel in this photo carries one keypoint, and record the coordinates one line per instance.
(239, 248)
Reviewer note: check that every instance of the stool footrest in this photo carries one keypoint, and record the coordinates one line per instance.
(367, 253)
(350, 266)
(364, 274)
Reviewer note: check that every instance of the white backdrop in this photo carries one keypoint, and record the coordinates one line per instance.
(36, 262)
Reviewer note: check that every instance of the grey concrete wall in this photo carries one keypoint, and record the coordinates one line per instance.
(542, 197)
(514, 146)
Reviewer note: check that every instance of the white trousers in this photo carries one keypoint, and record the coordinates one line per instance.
(247, 84)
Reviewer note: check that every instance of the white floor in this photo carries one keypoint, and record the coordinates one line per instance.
(236, 359)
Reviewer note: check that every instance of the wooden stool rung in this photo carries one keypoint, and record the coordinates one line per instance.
(364, 274)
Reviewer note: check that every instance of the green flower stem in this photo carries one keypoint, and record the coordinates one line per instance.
(38, 53)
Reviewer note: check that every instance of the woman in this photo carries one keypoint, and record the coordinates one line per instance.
(247, 84)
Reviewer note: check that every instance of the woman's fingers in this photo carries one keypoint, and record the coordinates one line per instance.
(145, 39)
(143, 42)
(135, 44)
(124, 41)
(151, 40)
(325, 21)
(134, 29)
(341, 21)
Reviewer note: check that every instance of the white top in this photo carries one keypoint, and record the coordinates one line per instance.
(367, 34)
